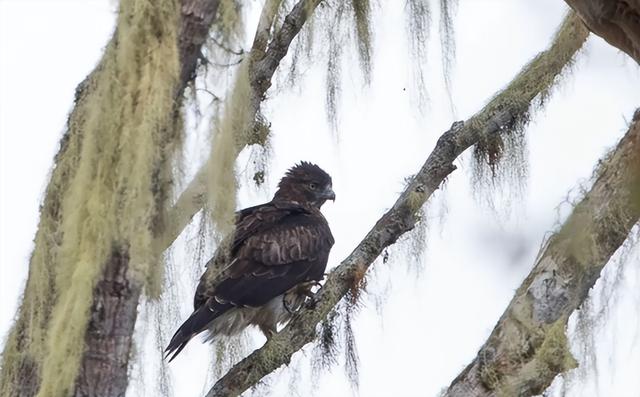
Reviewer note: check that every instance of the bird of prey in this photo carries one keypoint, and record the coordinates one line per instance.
(264, 272)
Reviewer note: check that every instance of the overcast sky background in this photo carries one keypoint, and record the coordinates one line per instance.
(432, 323)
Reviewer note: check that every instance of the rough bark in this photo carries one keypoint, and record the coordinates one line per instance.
(114, 310)
(104, 366)
(497, 117)
(197, 18)
(109, 337)
(617, 21)
(528, 346)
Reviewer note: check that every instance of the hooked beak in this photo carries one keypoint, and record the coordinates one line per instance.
(328, 194)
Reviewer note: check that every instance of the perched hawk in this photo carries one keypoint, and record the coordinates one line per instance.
(278, 251)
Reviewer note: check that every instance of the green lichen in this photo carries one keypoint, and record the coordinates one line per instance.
(550, 358)
(363, 34)
(230, 26)
(106, 192)
(227, 351)
(230, 136)
(500, 156)
(418, 23)
(411, 247)
(448, 44)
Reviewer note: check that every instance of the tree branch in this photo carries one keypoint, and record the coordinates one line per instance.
(496, 118)
(107, 346)
(109, 336)
(617, 21)
(528, 346)
(197, 18)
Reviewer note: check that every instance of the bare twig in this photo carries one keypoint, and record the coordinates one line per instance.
(214, 97)
(225, 48)
(495, 118)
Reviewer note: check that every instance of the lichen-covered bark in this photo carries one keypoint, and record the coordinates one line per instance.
(196, 19)
(104, 367)
(495, 118)
(20, 369)
(617, 21)
(116, 296)
(528, 346)
(109, 336)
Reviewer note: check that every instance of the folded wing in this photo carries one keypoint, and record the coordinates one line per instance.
(275, 247)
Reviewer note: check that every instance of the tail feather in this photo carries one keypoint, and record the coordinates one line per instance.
(196, 323)
(175, 350)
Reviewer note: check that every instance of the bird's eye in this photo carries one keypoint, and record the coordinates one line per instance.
(313, 186)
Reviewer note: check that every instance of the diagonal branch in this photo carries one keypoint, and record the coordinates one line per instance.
(265, 59)
(197, 18)
(496, 118)
(528, 346)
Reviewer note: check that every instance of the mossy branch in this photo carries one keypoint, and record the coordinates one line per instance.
(528, 347)
(493, 119)
(26, 345)
(502, 157)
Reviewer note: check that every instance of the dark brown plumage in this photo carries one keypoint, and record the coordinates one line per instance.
(278, 251)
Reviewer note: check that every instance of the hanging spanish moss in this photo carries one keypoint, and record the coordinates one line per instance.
(500, 157)
(448, 10)
(230, 28)
(230, 136)
(418, 23)
(112, 180)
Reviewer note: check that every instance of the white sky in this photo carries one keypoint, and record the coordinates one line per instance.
(432, 324)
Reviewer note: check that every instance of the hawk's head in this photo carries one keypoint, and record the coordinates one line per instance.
(305, 183)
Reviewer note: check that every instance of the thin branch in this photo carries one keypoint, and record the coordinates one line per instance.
(528, 346)
(214, 97)
(265, 23)
(197, 18)
(495, 118)
(205, 61)
(217, 42)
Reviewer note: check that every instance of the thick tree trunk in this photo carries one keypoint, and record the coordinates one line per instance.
(103, 371)
(528, 346)
(104, 367)
(27, 377)
(109, 337)
(617, 21)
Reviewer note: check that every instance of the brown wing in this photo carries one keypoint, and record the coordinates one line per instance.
(274, 260)
(275, 247)
(249, 222)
